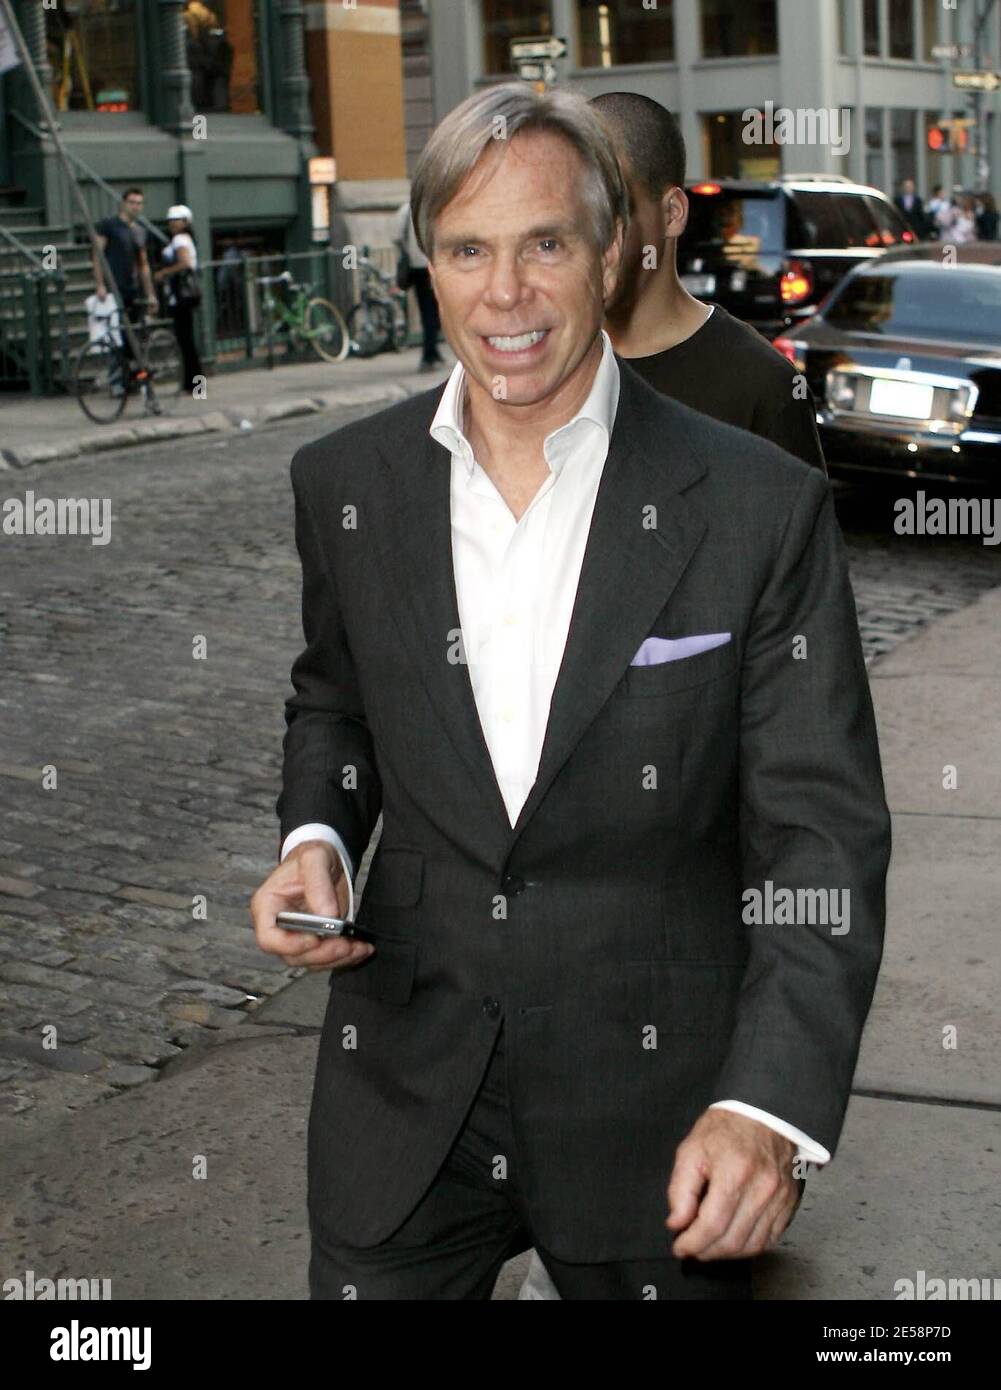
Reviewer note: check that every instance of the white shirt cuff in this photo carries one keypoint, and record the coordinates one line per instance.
(808, 1150)
(316, 831)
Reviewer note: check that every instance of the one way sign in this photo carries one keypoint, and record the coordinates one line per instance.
(537, 50)
(982, 81)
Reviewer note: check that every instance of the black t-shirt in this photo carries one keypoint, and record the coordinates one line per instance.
(125, 241)
(727, 370)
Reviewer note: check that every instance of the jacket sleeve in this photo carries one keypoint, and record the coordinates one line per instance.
(329, 773)
(813, 816)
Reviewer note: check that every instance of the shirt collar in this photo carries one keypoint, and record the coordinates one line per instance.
(598, 411)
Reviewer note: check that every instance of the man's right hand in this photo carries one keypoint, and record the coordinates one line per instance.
(310, 879)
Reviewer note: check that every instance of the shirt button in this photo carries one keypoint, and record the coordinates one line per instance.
(512, 884)
(492, 1008)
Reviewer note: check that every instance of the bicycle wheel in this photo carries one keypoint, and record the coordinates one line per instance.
(324, 327)
(99, 378)
(163, 357)
(371, 327)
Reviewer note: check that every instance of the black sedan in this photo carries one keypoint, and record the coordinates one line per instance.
(904, 362)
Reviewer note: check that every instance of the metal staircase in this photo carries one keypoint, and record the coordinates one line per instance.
(45, 277)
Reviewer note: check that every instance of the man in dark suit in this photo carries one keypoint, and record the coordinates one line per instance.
(913, 209)
(594, 658)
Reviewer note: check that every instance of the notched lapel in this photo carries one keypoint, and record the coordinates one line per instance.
(643, 534)
(414, 537)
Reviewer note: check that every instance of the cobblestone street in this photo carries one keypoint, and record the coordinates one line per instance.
(138, 780)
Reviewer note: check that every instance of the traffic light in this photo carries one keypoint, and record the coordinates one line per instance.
(948, 138)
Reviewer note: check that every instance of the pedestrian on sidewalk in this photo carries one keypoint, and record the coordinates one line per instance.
(180, 278)
(572, 1017)
(122, 238)
(413, 274)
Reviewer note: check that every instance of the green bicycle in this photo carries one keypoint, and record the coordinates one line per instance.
(303, 318)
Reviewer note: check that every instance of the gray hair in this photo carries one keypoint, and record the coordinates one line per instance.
(498, 113)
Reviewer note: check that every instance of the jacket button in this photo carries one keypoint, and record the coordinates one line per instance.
(512, 884)
(492, 1008)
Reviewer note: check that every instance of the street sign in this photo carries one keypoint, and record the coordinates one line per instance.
(537, 50)
(951, 50)
(8, 51)
(982, 81)
(536, 72)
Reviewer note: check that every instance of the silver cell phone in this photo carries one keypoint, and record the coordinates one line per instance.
(319, 926)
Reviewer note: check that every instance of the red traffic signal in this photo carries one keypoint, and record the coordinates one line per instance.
(944, 139)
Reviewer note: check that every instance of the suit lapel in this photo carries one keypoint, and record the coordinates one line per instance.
(643, 533)
(415, 537)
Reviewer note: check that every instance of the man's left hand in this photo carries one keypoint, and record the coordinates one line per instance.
(732, 1192)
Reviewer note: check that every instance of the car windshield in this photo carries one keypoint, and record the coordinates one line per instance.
(736, 223)
(945, 302)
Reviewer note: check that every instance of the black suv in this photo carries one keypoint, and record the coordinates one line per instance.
(770, 252)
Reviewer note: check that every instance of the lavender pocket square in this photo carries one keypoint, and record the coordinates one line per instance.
(656, 650)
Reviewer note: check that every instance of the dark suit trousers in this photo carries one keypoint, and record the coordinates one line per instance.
(473, 1218)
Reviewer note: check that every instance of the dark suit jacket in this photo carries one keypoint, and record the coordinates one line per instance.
(917, 216)
(613, 904)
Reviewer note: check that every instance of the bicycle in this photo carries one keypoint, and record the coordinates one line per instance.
(310, 319)
(105, 374)
(379, 319)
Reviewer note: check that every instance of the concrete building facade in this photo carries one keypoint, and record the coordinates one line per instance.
(709, 61)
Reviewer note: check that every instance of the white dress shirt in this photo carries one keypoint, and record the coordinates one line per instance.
(515, 583)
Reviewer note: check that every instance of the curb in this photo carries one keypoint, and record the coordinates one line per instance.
(147, 431)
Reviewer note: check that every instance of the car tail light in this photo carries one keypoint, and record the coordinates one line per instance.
(796, 284)
(908, 237)
(709, 188)
(791, 350)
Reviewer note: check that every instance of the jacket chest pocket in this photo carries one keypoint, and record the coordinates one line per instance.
(684, 673)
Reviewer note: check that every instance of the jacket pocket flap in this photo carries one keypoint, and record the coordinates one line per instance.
(395, 878)
(388, 974)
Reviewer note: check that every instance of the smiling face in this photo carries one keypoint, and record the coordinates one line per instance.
(520, 283)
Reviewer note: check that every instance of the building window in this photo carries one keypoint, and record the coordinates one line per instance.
(221, 38)
(729, 155)
(504, 20)
(738, 28)
(871, 42)
(624, 32)
(93, 50)
(875, 155)
(905, 164)
(902, 29)
(931, 12)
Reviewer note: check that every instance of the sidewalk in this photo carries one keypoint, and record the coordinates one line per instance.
(37, 429)
(109, 1192)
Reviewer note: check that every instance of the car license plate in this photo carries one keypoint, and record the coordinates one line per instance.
(699, 284)
(907, 400)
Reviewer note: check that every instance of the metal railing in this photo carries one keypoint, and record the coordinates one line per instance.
(40, 133)
(21, 249)
(233, 321)
(34, 345)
